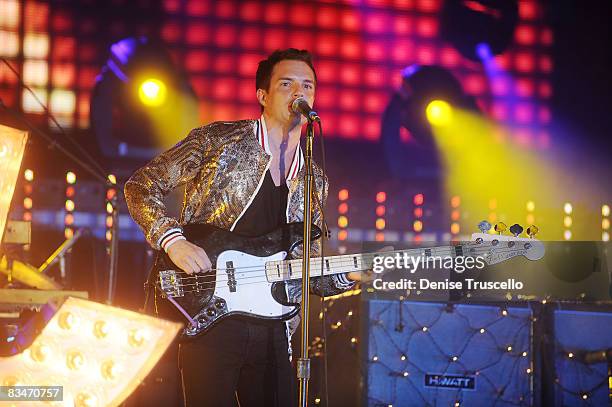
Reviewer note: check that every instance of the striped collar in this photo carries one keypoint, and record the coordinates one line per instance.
(262, 137)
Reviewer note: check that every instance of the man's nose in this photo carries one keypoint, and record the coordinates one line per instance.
(298, 92)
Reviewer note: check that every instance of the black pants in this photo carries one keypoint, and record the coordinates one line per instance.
(243, 358)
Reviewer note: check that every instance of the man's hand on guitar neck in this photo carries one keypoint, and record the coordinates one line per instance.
(368, 275)
(189, 257)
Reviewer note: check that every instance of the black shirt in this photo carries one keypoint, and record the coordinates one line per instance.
(267, 211)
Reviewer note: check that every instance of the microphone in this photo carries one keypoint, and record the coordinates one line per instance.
(301, 106)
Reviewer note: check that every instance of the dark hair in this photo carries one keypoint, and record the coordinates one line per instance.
(266, 66)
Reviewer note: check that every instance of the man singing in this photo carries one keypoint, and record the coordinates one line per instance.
(245, 177)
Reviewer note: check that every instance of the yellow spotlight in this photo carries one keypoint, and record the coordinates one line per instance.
(439, 112)
(152, 92)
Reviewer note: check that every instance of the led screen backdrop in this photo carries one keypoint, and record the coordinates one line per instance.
(360, 48)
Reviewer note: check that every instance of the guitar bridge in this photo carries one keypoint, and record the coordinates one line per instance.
(170, 283)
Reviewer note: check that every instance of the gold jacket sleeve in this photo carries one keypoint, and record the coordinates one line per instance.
(147, 187)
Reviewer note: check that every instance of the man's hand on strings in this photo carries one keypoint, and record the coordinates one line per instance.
(189, 257)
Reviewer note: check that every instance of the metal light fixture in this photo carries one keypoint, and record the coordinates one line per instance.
(95, 353)
(12, 148)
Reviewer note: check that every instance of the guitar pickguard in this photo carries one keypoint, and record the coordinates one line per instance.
(237, 285)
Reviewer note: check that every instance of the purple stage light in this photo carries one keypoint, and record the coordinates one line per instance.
(483, 50)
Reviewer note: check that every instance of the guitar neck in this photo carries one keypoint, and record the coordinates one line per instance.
(286, 270)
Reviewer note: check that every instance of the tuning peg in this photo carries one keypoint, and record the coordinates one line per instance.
(484, 226)
(532, 231)
(500, 227)
(516, 229)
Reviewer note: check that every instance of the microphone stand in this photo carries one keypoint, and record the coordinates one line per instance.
(303, 363)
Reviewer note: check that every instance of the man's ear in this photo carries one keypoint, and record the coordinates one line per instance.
(262, 96)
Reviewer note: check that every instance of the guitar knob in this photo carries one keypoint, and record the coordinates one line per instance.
(532, 231)
(500, 227)
(219, 304)
(484, 226)
(210, 312)
(516, 229)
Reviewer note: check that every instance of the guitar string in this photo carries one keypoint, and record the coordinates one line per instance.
(338, 263)
(259, 270)
(243, 284)
(351, 255)
(204, 284)
(366, 255)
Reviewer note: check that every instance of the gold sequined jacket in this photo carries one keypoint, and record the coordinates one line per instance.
(221, 166)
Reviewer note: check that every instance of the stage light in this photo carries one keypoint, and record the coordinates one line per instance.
(483, 50)
(455, 228)
(70, 177)
(418, 199)
(69, 205)
(343, 194)
(12, 147)
(141, 102)
(152, 92)
(98, 366)
(439, 112)
(468, 24)
(605, 210)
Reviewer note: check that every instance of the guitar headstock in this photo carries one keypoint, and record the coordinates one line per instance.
(496, 248)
